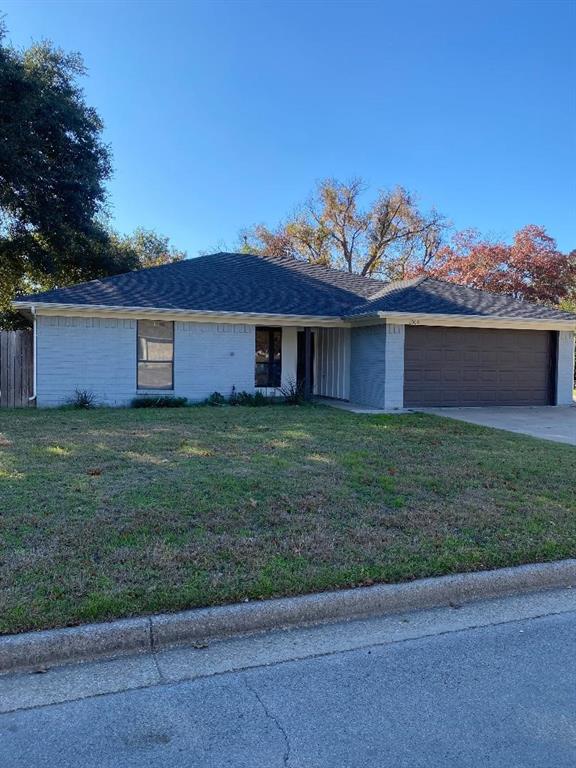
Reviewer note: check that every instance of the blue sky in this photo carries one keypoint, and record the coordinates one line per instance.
(224, 114)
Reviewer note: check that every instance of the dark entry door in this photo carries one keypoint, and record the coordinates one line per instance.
(301, 360)
(469, 366)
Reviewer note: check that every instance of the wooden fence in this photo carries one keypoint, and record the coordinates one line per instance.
(16, 369)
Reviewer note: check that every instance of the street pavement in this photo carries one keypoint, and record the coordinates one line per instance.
(484, 685)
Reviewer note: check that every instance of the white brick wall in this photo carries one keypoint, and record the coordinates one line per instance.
(213, 357)
(565, 370)
(99, 355)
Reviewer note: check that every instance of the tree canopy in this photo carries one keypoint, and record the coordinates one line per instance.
(531, 267)
(394, 239)
(53, 169)
(332, 228)
(54, 166)
(146, 248)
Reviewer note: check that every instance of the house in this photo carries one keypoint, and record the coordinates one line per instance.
(256, 323)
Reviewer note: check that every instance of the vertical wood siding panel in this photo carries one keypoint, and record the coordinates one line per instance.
(15, 369)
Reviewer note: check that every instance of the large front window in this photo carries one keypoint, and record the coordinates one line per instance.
(155, 354)
(268, 357)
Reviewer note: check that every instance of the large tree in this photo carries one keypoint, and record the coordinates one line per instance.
(531, 267)
(53, 169)
(332, 228)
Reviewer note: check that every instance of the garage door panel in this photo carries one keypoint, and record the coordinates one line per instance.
(432, 356)
(468, 366)
(509, 380)
(436, 378)
(487, 376)
(469, 377)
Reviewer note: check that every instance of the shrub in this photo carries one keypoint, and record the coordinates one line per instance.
(216, 398)
(258, 398)
(248, 398)
(252, 399)
(162, 401)
(293, 393)
(82, 398)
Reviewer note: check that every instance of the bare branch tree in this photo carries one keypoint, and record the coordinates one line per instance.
(331, 229)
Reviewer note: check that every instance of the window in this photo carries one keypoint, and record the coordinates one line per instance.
(268, 357)
(155, 354)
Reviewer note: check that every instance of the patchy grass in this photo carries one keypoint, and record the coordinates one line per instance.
(117, 512)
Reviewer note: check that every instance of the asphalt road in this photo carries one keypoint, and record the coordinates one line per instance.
(488, 685)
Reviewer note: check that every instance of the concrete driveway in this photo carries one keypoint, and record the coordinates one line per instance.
(547, 422)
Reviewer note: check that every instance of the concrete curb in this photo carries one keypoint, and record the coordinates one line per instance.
(152, 633)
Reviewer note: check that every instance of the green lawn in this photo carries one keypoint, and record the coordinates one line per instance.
(110, 513)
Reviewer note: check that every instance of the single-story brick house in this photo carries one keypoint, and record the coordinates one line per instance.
(254, 323)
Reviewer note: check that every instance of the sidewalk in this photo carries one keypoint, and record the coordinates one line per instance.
(444, 687)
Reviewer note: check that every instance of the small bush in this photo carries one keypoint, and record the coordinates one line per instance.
(82, 398)
(252, 399)
(293, 393)
(162, 401)
(258, 398)
(216, 398)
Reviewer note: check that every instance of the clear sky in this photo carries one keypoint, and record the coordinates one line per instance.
(224, 114)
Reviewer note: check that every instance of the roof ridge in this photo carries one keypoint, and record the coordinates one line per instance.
(398, 285)
(406, 296)
(303, 262)
(496, 295)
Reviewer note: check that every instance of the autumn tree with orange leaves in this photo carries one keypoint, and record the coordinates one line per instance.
(530, 268)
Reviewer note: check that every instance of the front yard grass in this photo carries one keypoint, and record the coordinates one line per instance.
(110, 513)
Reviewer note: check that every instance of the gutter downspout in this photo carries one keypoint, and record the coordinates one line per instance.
(34, 356)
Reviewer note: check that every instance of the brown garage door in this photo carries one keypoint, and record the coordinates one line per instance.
(469, 366)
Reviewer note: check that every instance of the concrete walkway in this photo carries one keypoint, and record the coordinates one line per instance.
(548, 423)
(482, 685)
(344, 405)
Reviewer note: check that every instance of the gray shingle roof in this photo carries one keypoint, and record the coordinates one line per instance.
(438, 297)
(245, 283)
(226, 282)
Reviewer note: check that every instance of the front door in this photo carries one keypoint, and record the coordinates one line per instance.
(301, 360)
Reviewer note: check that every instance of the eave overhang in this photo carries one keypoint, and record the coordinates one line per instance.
(182, 315)
(258, 318)
(464, 321)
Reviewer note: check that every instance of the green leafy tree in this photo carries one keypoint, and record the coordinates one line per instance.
(53, 169)
(147, 248)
